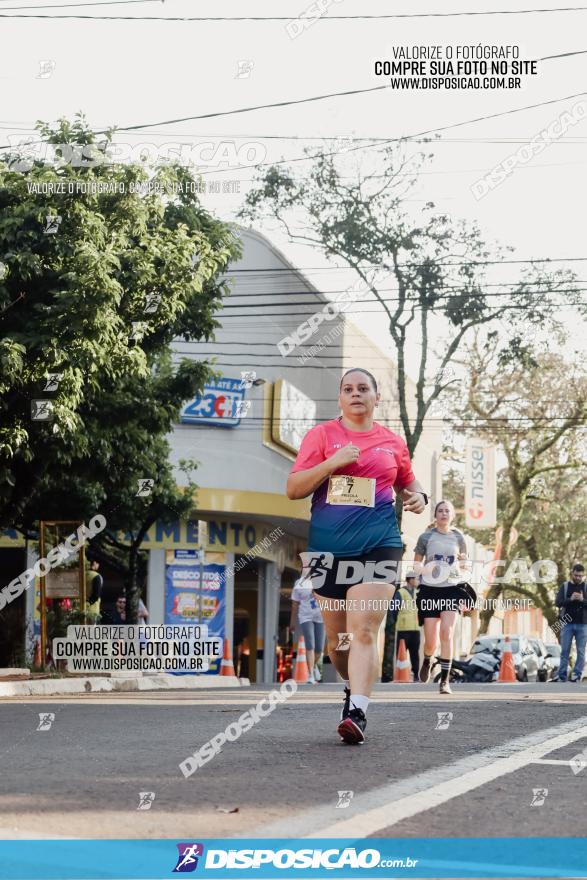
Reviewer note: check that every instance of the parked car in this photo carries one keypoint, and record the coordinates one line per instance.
(526, 660)
(553, 658)
(541, 651)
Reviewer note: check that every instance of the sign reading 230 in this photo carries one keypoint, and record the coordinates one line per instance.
(218, 405)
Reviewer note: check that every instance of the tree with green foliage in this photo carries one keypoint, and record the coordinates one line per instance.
(102, 266)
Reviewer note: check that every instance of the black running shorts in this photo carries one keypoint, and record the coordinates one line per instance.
(432, 601)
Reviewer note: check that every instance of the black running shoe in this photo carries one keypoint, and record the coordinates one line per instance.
(352, 728)
(425, 670)
(346, 706)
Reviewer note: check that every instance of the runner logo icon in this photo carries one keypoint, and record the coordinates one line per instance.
(539, 796)
(344, 641)
(344, 799)
(187, 859)
(315, 567)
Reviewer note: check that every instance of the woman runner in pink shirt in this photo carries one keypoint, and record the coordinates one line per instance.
(351, 467)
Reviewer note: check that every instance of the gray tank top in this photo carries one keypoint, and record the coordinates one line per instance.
(441, 554)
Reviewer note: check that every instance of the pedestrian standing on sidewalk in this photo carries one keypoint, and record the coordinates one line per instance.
(571, 600)
(94, 586)
(119, 614)
(443, 593)
(306, 617)
(406, 621)
(351, 467)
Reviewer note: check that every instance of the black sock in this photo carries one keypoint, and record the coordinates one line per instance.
(444, 668)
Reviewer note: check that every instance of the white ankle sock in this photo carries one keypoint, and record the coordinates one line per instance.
(358, 701)
(346, 683)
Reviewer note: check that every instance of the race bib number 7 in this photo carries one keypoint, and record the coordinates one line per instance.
(343, 489)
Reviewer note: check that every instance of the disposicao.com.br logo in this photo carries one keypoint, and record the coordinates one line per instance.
(284, 858)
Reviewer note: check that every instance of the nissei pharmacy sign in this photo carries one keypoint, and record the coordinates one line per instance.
(221, 404)
(480, 485)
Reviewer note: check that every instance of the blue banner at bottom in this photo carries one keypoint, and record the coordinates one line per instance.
(254, 858)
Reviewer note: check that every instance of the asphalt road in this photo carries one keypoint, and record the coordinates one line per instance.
(417, 775)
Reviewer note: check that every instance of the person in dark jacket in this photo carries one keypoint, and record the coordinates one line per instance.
(111, 592)
(95, 583)
(571, 600)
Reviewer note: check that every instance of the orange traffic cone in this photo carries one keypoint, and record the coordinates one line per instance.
(507, 670)
(226, 667)
(301, 675)
(403, 667)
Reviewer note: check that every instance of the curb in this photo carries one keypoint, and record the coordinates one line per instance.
(9, 673)
(160, 682)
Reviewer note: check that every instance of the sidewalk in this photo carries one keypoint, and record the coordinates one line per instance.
(47, 687)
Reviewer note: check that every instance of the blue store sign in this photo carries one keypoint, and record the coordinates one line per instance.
(222, 404)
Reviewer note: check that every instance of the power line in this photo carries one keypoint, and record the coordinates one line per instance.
(258, 18)
(381, 143)
(443, 293)
(315, 98)
(256, 107)
(260, 359)
(282, 363)
(75, 5)
(287, 303)
(343, 94)
(531, 166)
(404, 137)
(130, 128)
(255, 284)
(570, 140)
(219, 344)
(298, 314)
(562, 55)
(303, 269)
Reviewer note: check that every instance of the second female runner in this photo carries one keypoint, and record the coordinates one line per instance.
(443, 592)
(351, 467)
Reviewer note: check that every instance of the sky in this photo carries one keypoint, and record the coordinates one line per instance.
(131, 73)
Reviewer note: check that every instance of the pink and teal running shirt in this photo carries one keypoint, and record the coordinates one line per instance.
(351, 530)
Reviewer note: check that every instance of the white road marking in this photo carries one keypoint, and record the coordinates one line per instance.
(551, 761)
(386, 806)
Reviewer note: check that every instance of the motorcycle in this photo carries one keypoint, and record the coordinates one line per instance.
(481, 667)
